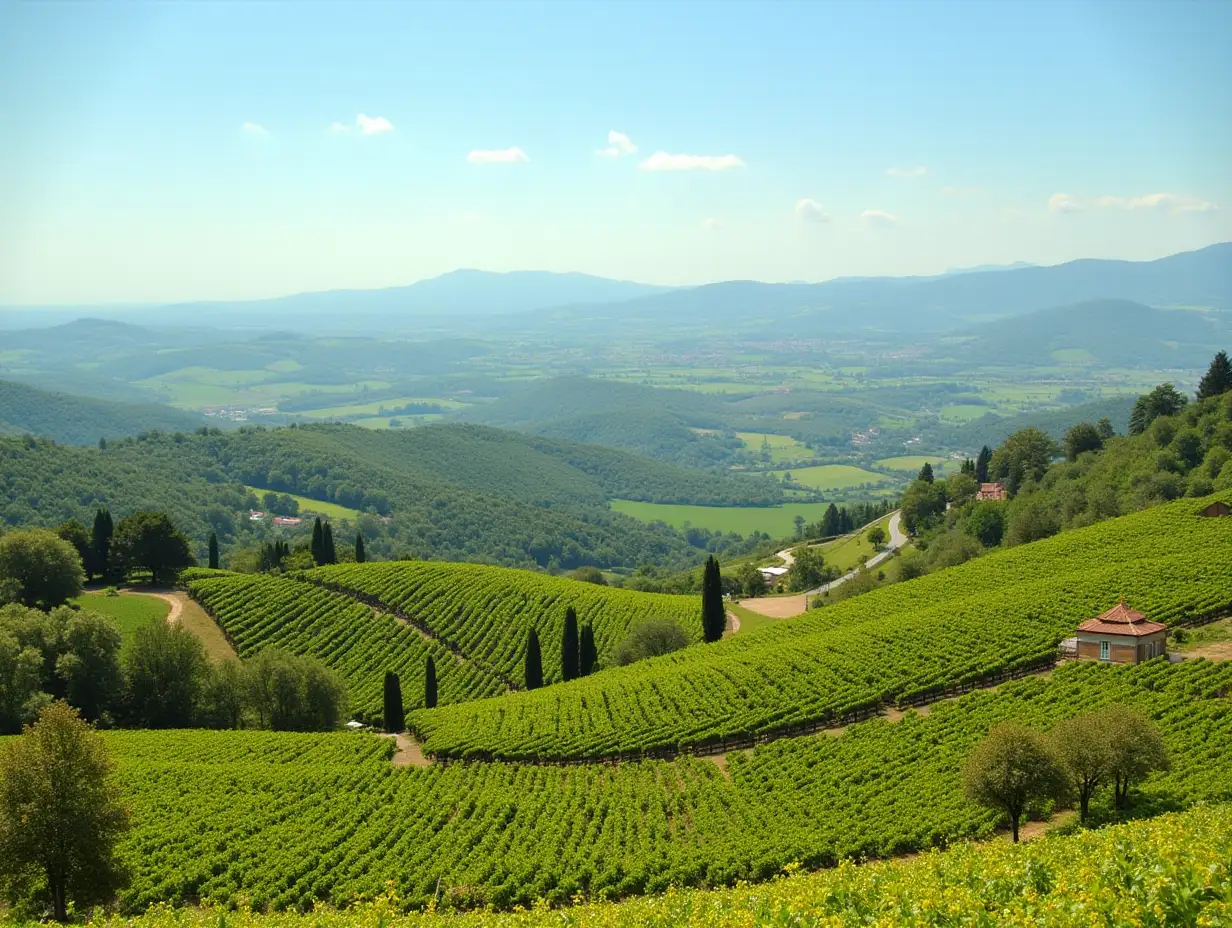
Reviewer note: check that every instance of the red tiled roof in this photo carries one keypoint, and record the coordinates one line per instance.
(1121, 620)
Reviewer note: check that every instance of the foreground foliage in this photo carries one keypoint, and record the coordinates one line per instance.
(285, 820)
(1171, 871)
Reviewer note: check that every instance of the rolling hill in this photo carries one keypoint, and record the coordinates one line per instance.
(80, 420)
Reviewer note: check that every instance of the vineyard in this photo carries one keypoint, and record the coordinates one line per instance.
(486, 612)
(898, 645)
(258, 611)
(286, 820)
(1172, 870)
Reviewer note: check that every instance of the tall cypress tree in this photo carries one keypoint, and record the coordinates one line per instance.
(213, 550)
(100, 543)
(430, 683)
(318, 542)
(534, 661)
(569, 647)
(588, 657)
(329, 555)
(359, 548)
(981, 464)
(1218, 378)
(395, 717)
(714, 614)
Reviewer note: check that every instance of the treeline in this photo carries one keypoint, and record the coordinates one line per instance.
(159, 679)
(460, 493)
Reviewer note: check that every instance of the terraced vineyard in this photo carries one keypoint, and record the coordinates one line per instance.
(1169, 871)
(283, 820)
(487, 611)
(258, 611)
(892, 646)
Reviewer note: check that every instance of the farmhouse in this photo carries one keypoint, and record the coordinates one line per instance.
(287, 520)
(1121, 636)
(772, 573)
(255, 516)
(1217, 508)
(992, 491)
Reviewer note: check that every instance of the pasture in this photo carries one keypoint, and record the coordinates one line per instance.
(833, 476)
(775, 521)
(315, 506)
(129, 611)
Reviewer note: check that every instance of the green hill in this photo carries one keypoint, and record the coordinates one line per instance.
(80, 420)
(457, 492)
(1004, 611)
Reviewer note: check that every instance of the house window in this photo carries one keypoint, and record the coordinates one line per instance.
(1103, 650)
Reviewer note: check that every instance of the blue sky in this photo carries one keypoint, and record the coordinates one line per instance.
(176, 151)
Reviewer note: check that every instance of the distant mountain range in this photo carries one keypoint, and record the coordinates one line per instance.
(474, 302)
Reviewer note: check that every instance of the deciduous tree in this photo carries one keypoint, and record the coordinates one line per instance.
(1081, 438)
(60, 812)
(650, 637)
(41, 568)
(1011, 767)
(876, 537)
(1082, 745)
(1135, 746)
(165, 668)
(150, 540)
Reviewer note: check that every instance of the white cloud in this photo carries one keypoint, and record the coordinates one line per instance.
(497, 156)
(373, 125)
(1173, 202)
(960, 191)
(254, 128)
(662, 161)
(710, 224)
(618, 144)
(1064, 203)
(812, 211)
(918, 171)
(878, 219)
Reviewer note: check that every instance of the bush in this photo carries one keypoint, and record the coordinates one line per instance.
(650, 638)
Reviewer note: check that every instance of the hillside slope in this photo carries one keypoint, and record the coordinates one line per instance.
(883, 648)
(80, 420)
(452, 492)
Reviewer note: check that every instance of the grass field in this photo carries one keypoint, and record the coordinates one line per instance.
(845, 553)
(833, 476)
(374, 408)
(964, 412)
(750, 621)
(331, 510)
(783, 448)
(129, 611)
(775, 521)
(912, 462)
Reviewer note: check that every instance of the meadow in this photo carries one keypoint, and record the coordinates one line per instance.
(129, 611)
(775, 521)
(314, 506)
(833, 476)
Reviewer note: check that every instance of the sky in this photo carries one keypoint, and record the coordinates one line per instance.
(182, 151)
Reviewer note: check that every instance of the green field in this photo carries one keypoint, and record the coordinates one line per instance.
(129, 611)
(783, 448)
(845, 553)
(833, 476)
(775, 521)
(912, 462)
(374, 408)
(306, 505)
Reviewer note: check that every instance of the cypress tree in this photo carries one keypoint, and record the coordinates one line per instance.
(534, 661)
(318, 547)
(714, 614)
(213, 550)
(395, 718)
(430, 683)
(100, 543)
(1218, 378)
(588, 658)
(359, 548)
(569, 647)
(926, 473)
(968, 467)
(328, 554)
(981, 464)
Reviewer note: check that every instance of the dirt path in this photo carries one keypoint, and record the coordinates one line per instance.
(408, 753)
(174, 600)
(733, 622)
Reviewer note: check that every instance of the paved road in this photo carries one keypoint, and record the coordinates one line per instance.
(898, 538)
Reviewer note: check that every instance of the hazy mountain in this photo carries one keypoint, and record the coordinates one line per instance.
(81, 420)
(982, 268)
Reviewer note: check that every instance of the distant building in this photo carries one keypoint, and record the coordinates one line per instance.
(772, 573)
(287, 520)
(992, 491)
(1121, 636)
(254, 516)
(1217, 508)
